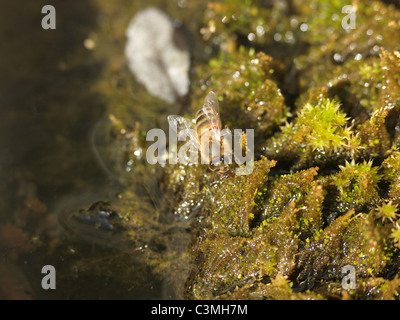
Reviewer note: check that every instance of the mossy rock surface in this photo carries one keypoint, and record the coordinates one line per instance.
(325, 193)
(324, 103)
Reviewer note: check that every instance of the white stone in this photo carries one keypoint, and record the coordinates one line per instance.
(154, 58)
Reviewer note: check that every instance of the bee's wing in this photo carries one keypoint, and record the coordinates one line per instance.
(178, 123)
(211, 100)
(181, 127)
(211, 110)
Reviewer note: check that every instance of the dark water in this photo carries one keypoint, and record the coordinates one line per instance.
(47, 113)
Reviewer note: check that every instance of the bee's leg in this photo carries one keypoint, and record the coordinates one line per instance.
(231, 174)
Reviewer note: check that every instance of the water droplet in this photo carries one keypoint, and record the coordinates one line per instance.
(337, 57)
(89, 44)
(294, 22)
(260, 31)
(289, 37)
(277, 37)
(251, 36)
(236, 75)
(304, 27)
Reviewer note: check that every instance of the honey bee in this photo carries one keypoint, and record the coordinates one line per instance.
(207, 137)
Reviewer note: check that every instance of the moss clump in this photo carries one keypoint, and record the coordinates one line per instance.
(386, 212)
(236, 201)
(228, 262)
(186, 188)
(366, 245)
(391, 168)
(391, 75)
(320, 134)
(285, 189)
(320, 257)
(354, 187)
(374, 136)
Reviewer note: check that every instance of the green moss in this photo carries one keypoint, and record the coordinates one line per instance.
(249, 96)
(315, 136)
(391, 174)
(324, 103)
(320, 258)
(386, 212)
(286, 189)
(332, 45)
(354, 187)
(342, 133)
(364, 246)
(391, 74)
(236, 201)
(236, 22)
(230, 262)
(375, 139)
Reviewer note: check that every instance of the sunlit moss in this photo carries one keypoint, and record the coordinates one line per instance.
(231, 22)
(332, 45)
(246, 88)
(396, 235)
(391, 174)
(341, 132)
(391, 74)
(315, 137)
(236, 200)
(365, 247)
(354, 187)
(386, 212)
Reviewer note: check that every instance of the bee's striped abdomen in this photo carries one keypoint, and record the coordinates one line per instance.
(204, 120)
